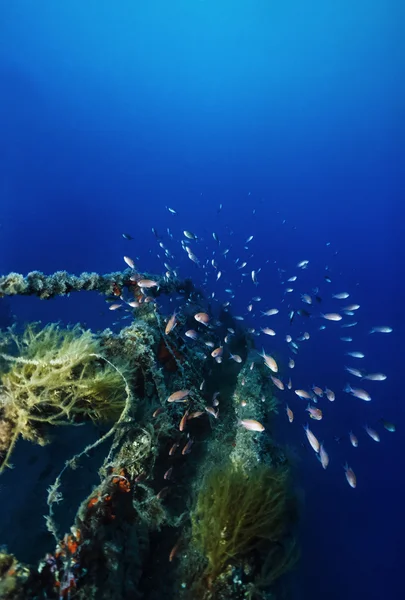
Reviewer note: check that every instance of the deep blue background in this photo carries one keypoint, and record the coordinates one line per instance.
(111, 111)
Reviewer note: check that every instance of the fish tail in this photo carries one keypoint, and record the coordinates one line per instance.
(347, 388)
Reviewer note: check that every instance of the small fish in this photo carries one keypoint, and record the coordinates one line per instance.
(211, 411)
(268, 331)
(192, 334)
(217, 352)
(375, 377)
(193, 257)
(357, 392)
(173, 449)
(183, 421)
(250, 238)
(190, 235)
(290, 414)
(352, 307)
(129, 262)
(179, 396)
(168, 473)
(388, 426)
(315, 445)
(346, 339)
(215, 401)
(353, 439)
(289, 384)
(288, 339)
(251, 425)
(303, 264)
(158, 411)
(306, 298)
(270, 312)
(174, 551)
(314, 413)
(254, 277)
(318, 391)
(171, 324)
(243, 265)
(218, 359)
(381, 330)
(270, 362)
(291, 363)
(327, 279)
(303, 394)
(291, 316)
(202, 318)
(341, 296)
(277, 382)
(289, 290)
(372, 433)
(330, 395)
(332, 316)
(147, 283)
(195, 415)
(355, 372)
(349, 324)
(350, 476)
(187, 447)
(291, 279)
(163, 493)
(323, 456)
(256, 298)
(115, 306)
(355, 354)
(126, 236)
(236, 358)
(171, 210)
(215, 236)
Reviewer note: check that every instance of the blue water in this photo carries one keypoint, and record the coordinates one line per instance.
(290, 115)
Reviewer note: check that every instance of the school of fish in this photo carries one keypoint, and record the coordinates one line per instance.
(232, 272)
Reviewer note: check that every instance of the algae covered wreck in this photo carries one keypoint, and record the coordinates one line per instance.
(188, 502)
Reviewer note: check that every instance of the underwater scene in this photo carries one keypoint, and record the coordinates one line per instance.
(202, 300)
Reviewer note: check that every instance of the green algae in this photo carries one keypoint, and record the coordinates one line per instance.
(54, 377)
(238, 513)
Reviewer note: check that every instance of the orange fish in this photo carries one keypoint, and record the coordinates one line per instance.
(195, 414)
(168, 473)
(173, 449)
(183, 421)
(290, 414)
(171, 324)
(147, 283)
(314, 413)
(277, 382)
(179, 396)
(202, 317)
(217, 352)
(187, 447)
(251, 425)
